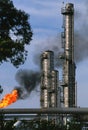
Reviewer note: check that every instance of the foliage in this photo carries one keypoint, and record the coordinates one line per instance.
(15, 33)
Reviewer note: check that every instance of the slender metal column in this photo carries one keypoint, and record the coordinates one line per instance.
(69, 65)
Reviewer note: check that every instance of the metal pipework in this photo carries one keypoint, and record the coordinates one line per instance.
(45, 111)
(17, 124)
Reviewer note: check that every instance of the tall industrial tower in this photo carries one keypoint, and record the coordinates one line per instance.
(49, 81)
(69, 65)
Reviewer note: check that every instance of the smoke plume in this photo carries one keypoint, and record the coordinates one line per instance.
(27, 80)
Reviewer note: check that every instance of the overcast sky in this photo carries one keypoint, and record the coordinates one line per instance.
(46, 22)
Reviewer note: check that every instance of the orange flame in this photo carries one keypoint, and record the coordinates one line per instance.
(9, 99)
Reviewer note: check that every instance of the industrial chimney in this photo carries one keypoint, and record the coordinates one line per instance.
(68, 64)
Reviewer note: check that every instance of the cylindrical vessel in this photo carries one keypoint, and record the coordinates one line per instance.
(47, 65)
(54, 90)
(69, 65)
(47, 61)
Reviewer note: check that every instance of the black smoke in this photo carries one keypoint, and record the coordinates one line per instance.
(27, 80)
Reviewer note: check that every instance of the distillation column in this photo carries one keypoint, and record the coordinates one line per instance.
(69, 65)
(54, 90)
(47, 65)
(49, 81)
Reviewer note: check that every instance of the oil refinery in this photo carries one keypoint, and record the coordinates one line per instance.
(58, 99)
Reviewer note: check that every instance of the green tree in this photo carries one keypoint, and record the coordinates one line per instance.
(15, 33)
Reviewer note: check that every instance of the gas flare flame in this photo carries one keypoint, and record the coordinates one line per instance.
(9, 99)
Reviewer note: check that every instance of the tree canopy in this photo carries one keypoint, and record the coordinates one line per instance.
(15, 33)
